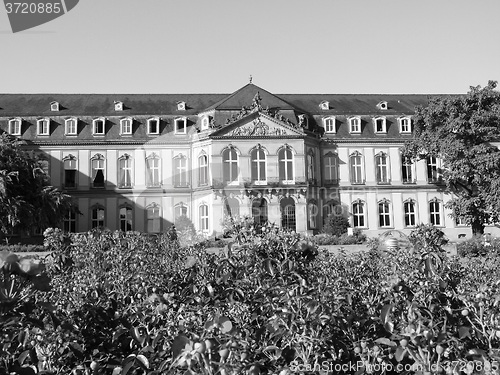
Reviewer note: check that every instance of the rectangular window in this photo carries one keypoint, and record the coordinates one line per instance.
(15, 127)
(99, 127)
(180, 177)
(358, 215)
(153, 172)
(410, 217)
(435, 213)
(43, 127)
(203, 169)
(405, 125)
(380, 125)
(181, 126)
(153, 219)
(70, 171)
(204, 218)
(71, 126)
(407, 171)
(97, 217)
(356, 169)
(126, 219)
(355, 125)
(154, 126)
(432, 169)
(384, 216)
(126, 126)
(98, 179)
(330, 125)
(381, 169)
(69, 222)
(331, 169)
(125, 172)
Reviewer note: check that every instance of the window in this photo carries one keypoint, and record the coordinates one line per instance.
(405, 124)
(355, 125)
(70, 171)
(432, 169)
(71, 126)
(99, 126)
(126, 218)
(54, 106)
(358, 214)
(311, 165)
(460, 222)
(97, 217)
(435, 212)
(331, 168)
(230, 165)
(329, 124)
(407, 173)
(409, 210)
(382, 105)
(69, 222)
(384, 214)
(43, 126)
(258, 172)
(180, 210)
(231, 207)
(181, 106)
(356, 164)
(205, 123)
(98, 171)
(15, 126)
(118, 106)
(203, 211)
(203, 170)
(381, 168)
(125, 171)
(153, 218)
(153, 171)
(324, 105)
(180, 168)
(154, 126)
(380, 125)
(312, 213)
(181, 126)
(259, 211)
(126, 126)
(288, 219)
(285, 160)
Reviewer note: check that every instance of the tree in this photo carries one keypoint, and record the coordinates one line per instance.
(461, 131)
(27, 200)
(336, 224)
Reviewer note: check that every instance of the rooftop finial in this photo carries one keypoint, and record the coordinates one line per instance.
(250, 78)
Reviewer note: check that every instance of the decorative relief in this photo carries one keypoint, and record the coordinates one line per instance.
(257, 128)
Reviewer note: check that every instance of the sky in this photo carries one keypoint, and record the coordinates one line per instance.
(287, 46)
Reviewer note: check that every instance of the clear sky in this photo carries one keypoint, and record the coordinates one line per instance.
(288, 46)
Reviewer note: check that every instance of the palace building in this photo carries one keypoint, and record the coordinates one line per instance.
(137, 162)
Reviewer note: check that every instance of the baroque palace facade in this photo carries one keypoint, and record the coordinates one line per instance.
(137, 162)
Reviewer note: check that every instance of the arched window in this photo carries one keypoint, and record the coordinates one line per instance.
(384, 214)
(382, 168)
(232, 207)
(259, 211)
(285, 160)
(125, 171)
(153, 170)
(410, 213)
(71, 126)
(153, 222)
(358, 214)
(126, 126)
(70, 172)
(98, 171)
(288, 219)
(356, 166)
(15, 126)
(97, 217)
(126, 218)
(258, 172)
(180, 171)
(203, 170)
(230, 165)
(180, 210)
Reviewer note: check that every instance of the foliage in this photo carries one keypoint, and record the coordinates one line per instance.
(269, 303)
(27, 200)
(479, 246)
(19, 248)
(336, 225)
(460, 130)
(357, 238)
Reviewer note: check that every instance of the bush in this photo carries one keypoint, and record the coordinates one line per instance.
(336, 225)
(18, 248)
(479, 246)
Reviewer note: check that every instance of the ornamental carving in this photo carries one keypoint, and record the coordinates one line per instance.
(257, 128)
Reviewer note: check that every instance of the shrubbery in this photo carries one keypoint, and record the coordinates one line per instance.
(270, 303)
(357, 238)
(478, 246)
(18, 248)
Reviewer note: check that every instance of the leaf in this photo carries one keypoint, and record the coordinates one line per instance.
(118, 333)
(268, 266)
(225, 324)
(385, 341)
(385, 313)
(400, 353)
(179, 345)
(143, 361)
(127, 366)
(23, 356)
(76, 348)
(463, 332)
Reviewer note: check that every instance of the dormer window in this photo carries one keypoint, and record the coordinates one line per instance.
(329, 124)
(71, 126)
(324, 105)
(205, 123)
(118, 106)
(126, 126)
(380, 124)
(43, 126)
(99, 126)
(181, 126)
(15, 126)
(404, 124)
(54, 106)
(154, 125)
(382, 105)
(355, 125)
(181, 106)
